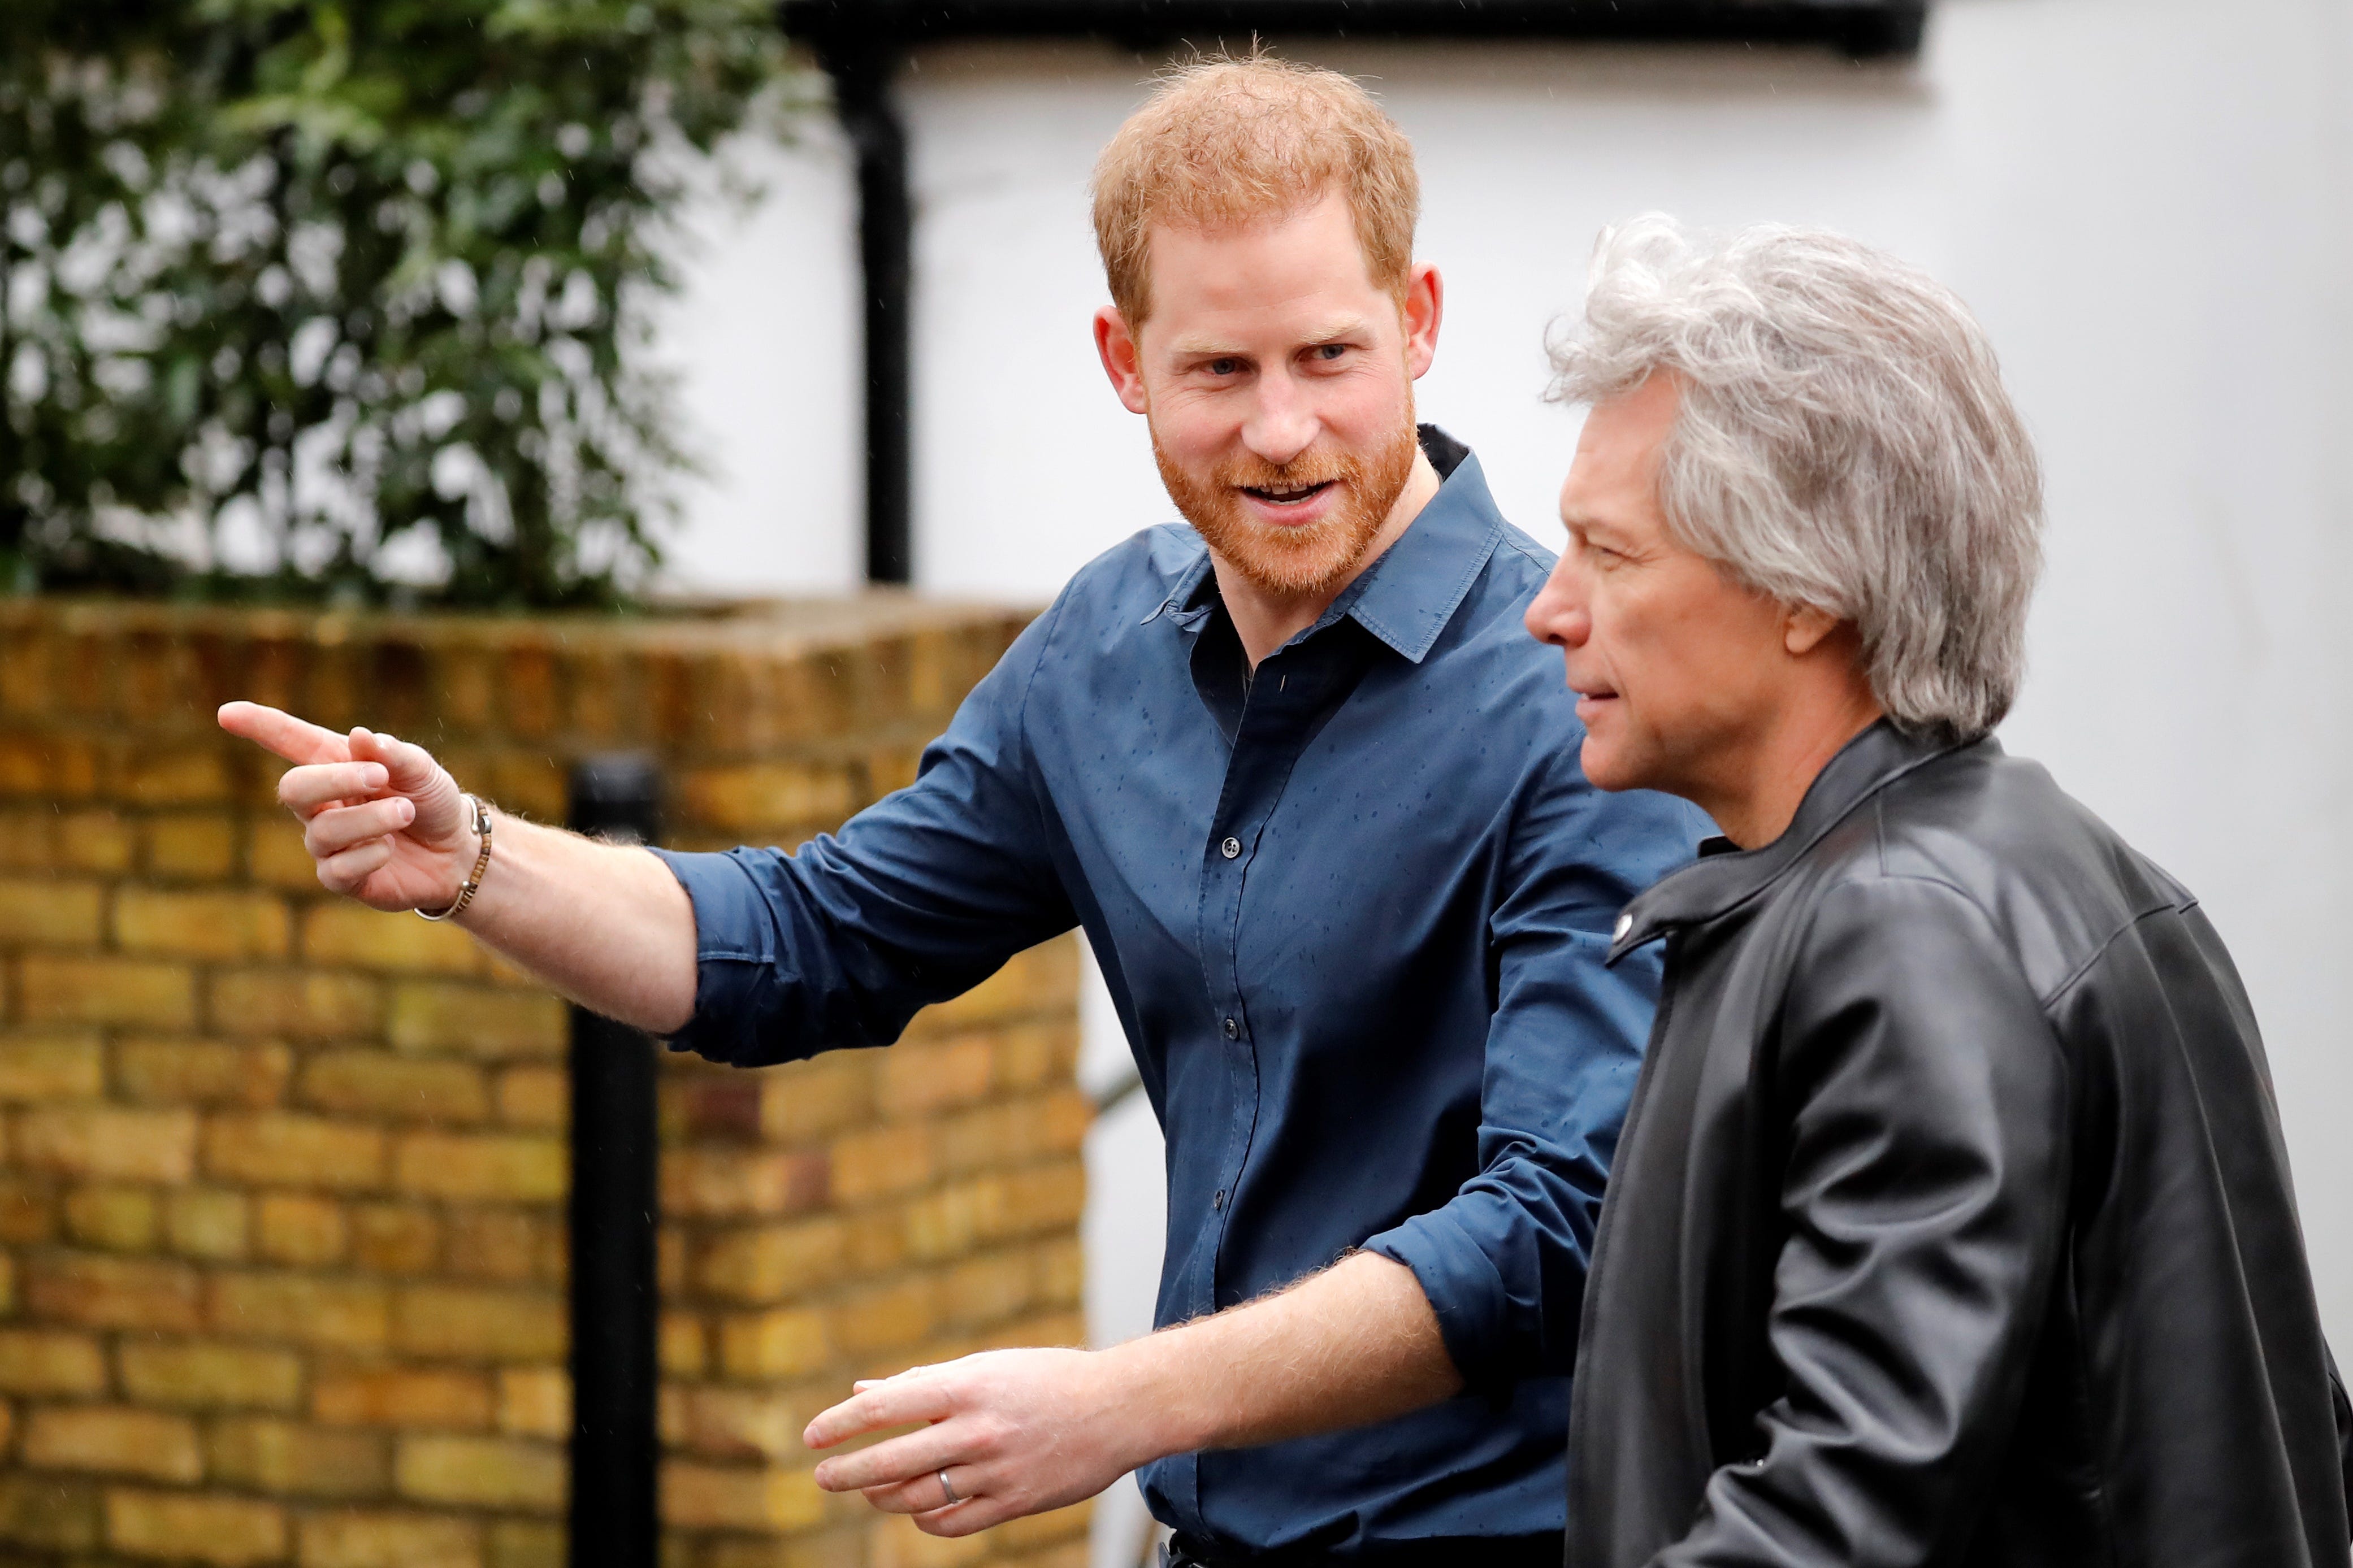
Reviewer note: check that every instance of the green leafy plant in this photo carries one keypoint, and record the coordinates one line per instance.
(343, 299)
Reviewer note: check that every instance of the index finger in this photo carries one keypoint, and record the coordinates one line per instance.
(292, 739)
(896, 1402)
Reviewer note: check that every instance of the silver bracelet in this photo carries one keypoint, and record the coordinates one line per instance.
(482, 861)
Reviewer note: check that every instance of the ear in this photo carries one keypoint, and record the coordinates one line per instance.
(1806, 627)
(1421, 310)
(1121, 361)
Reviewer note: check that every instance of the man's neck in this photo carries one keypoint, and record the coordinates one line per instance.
(1265, 619)
(1759, 795)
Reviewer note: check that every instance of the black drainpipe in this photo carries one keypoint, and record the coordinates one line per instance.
(863, 66)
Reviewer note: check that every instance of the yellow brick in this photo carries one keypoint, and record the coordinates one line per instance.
(345, 935)
(26, 843)
(304, 1309)
(7, 1306)
(108, 1141)
(206, 924)
(52, 1511)
(122, 991)
(772, 1263)
(724, 1181)
(42, 1360)
(535, 1097)
(708, 1496)
(303, 1004)
(1045, 1197)
(94, 841)
(1060, 1273)
(104, 1292)
(1043, 979)
(437, 1397)
(919, 1078)
(51, 913)
(506, 1168)
(734, 1423)
(205, 1222)
(115, 1440)
(120, 1219)
(270, 1454)
(51, 1067)
(884, 1319)
(393, 1238)
(275, 857)
(986, 1289)
(880, 1162)
(229, 1532)
(192, 845)
(781, 1343)
(27, 1213)
(205, 1375)
(526, 1544)
(509, 1245)
(466, 1322)
(536, 1402)
(808, 1100)
(202, 1072)
(1036, 1055)
(295, 1151)
(1041, 1530)
(680, 1345)
(895, 1542)
(480, 1021)
(376, 1540)
(767, 794)
(176, 776)
(298, 1229)
(480, 1473)
(408, 1089)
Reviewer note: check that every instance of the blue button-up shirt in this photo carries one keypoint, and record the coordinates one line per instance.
(1352, 911)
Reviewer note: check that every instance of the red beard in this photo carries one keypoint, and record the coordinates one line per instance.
(1308, 558)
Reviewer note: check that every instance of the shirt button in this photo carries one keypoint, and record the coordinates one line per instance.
(1230, 848)
(1218, 1201)
(1233, 1030)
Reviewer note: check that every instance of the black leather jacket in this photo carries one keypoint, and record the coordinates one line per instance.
(1951, 1222)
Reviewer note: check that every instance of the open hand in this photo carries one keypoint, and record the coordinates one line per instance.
(1016, 1432)
(385, 823)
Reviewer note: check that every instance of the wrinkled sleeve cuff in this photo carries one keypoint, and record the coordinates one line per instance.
(734, 950)
(1465, 1289)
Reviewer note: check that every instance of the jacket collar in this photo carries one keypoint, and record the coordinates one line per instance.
(1406, 597)
(1726, 877)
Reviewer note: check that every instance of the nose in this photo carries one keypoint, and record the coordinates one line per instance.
(1557, 614)
(1283, 422)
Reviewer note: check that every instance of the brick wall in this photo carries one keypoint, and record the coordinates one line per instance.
(282, 1178)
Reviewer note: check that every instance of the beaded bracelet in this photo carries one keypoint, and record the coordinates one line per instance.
(474, 880)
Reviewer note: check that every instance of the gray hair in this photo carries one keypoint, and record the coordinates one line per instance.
(1843, 442)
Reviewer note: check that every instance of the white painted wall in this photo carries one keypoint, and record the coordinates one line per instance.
(2146, 200)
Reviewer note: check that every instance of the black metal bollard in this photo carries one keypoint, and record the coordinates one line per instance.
(615, 1302)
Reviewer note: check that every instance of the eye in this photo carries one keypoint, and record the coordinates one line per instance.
(1330, 351)
(1224, 367)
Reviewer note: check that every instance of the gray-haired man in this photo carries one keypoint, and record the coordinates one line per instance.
(1951, 1221)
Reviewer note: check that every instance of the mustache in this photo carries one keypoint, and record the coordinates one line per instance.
(1250, 472)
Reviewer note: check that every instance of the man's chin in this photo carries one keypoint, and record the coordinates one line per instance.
(1289, 567)
(1607, 766)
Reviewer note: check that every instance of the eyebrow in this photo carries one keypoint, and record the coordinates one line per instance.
(1219, 347)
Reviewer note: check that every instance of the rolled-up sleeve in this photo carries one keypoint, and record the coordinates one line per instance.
(1504, 1261)
(919, 898)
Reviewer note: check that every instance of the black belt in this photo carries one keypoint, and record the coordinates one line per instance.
(1445, 1551)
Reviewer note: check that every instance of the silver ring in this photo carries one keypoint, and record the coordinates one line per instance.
(949, 1491)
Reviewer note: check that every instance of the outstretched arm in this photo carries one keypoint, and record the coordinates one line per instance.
(1018, 1432)
(606, 925)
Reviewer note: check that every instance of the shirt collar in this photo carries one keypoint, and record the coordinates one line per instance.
(1723, 878)
(1406, 597)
